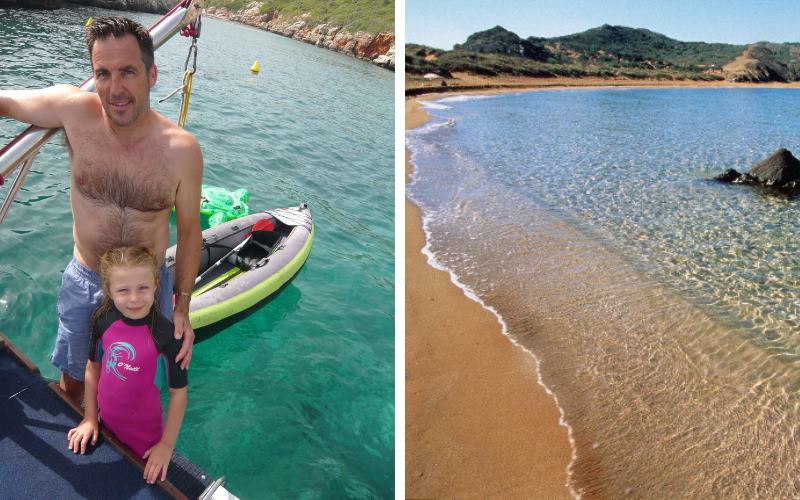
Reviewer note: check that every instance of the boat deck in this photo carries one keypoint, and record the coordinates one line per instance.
(35, 462)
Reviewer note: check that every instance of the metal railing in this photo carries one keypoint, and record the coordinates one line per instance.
(213, 488)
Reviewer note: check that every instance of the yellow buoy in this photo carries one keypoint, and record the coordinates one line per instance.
(255, 68)
(89, 22)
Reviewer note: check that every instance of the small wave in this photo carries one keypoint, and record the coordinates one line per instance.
(464, 98)
(432, 127)
(449, 123)
(434, 105)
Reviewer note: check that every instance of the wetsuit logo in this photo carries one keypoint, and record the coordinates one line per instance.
(116, 350)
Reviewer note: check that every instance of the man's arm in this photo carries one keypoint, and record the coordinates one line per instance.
(190, 240)
(48, 108)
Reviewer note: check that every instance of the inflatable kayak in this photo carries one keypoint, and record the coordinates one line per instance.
(246, 260)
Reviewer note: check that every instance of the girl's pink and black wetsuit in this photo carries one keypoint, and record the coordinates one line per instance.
(133, 362)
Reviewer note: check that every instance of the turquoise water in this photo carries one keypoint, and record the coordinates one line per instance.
(296, 400)
(663, 306)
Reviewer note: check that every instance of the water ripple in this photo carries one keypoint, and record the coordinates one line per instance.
(664, 306)
(314, 367)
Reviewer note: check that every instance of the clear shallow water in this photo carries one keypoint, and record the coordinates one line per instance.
(662, 306)
(296, 400)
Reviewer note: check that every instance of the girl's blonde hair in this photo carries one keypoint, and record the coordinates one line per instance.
(127, 257)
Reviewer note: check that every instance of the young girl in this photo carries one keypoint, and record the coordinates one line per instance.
(132, 347)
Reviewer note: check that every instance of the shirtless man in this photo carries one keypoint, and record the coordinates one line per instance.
(129, 166)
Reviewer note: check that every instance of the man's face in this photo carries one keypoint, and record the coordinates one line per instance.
(122, 82)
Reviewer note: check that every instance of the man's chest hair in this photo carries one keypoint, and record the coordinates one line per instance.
(140, 177)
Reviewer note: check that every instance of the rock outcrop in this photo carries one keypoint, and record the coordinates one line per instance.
(780, 172)
(33, 4)
(499, 40)
(760, 64)
(151, 6)
(378, 49)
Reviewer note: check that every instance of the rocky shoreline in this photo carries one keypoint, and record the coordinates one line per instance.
(151, 6)
(377, 49)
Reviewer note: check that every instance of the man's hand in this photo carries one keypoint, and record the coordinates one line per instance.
(183, 329)
(79, 436)
(157, 461)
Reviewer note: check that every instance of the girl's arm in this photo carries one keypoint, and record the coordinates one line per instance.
(80, 435)
(159, 455)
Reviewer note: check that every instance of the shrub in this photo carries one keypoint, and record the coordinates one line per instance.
(372, 16)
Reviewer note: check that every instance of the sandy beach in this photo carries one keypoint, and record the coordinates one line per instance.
(464, 83)
(478, 423)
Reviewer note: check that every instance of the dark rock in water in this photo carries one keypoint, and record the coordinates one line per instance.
(729, 176)
(780, 172)
(779, 169)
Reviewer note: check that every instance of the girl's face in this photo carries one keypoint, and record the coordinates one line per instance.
(132, 288)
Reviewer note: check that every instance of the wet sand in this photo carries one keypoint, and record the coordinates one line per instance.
(478, 423)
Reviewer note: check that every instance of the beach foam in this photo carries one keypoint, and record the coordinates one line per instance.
(469, 292)
(465, 98)
(434, 261)
(434, 105)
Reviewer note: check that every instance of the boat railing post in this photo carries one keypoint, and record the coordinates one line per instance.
(23, 171)
(213, 488)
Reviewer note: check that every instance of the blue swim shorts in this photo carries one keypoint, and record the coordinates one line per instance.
(81, 294)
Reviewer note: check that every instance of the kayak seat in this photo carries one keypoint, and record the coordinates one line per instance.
(255, 253)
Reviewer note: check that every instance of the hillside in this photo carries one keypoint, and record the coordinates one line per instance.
(501, 41)
(377, 48)
(372, 16)
(608, 43)
(608, 52)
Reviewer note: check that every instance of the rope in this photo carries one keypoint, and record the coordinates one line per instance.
(192, 30)
(187, 86)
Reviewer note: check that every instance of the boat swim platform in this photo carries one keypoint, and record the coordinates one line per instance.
(35, 461)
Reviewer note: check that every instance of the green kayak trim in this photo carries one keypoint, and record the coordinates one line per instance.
(251, 297)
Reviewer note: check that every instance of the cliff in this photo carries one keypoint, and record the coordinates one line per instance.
(762, 62)
(378, 49)
(33, 4)
(151, 6)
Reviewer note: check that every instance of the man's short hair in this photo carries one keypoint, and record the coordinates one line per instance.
(117, 27)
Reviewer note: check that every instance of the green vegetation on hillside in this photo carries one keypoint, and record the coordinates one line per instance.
(609, 52)
(641, 45)
(461, 61)
(372, 16)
